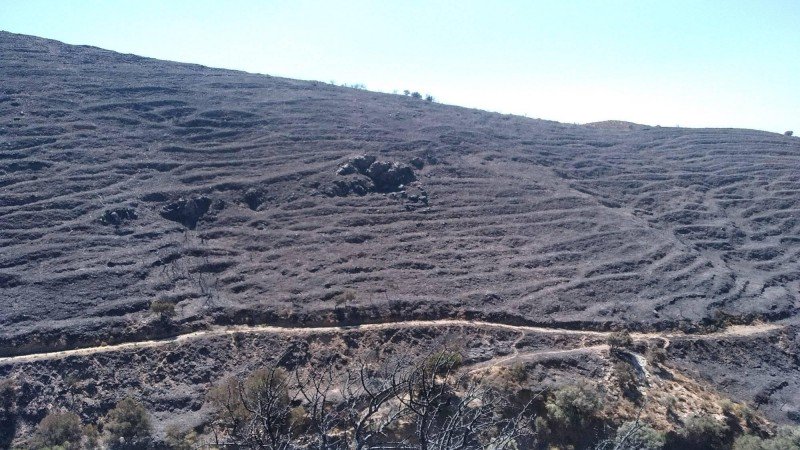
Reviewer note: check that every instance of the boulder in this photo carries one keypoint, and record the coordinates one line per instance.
(253, 198)
(117, 216)
(346, 169)
(389, 176)
(362, 162)
(186, 211)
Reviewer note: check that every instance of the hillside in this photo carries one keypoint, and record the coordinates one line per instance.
(247, 199)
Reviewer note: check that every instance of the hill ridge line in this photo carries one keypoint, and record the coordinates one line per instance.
(220, 330)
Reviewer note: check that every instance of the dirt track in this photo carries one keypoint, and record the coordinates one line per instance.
(739, 330)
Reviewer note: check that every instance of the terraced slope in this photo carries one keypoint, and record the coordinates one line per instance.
(127, 180)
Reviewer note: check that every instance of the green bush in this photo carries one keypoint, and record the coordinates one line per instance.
(620, 340)
(637, 436)
(571, 408)
(58, 430)
(178, 438)
(655, 355)
(91, 437)
(128, 426)
(443, 362)
(163, 308)
(786, 438)
(701, 432)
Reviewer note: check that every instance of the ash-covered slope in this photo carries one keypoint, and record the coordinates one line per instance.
(126, 180)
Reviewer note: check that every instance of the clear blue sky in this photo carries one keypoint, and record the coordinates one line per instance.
(727, 63)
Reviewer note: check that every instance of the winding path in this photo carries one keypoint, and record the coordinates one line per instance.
(738, 330)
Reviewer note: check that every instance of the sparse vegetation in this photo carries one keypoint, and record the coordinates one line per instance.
(178, 438)
(786, 438)
(164, 308)
(343, 298)
(128, 426)
(8, 412)
(634, 435)
(627, 380)
(571, 415)
(701, 432)
(620, 340)
(58, 430)
(655, 355)
(424, 403)
(788, 133)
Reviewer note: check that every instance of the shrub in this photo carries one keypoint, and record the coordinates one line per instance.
(701, 432)
(226, 400)
(429, 98)
(163, 308)
(788, 133)
(8, 413)
(786, 438)
(573, 406)
(178, 438)
(344, 297)
(637, 436)
(416, 94)
(443, 362)
(255, 410)
(620, 340)
(91, 437)
(656, 355)
(61, 430)
(627, 379)
(128, 426)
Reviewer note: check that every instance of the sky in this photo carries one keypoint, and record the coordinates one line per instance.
(698, 63)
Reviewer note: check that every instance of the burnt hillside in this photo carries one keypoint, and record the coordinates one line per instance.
(246, 198)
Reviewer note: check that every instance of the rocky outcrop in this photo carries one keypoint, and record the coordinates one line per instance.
(365, 173)
(390, 176)
(118, 216)
(186, 211)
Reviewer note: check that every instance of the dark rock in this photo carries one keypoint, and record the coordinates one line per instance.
(346, 169)
(361, 186)
(340, 188)
(388, 176)
(186, 211)
(117, 216)
(385, 176)
(254, 198)
(358, 186)
(154, 197)
(418, 163)
(362, 163)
